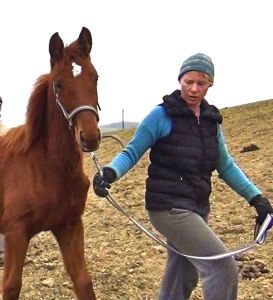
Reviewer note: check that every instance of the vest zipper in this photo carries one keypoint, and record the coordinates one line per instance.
(202, 142)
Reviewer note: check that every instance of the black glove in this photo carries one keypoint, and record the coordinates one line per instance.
(262, 206)
(101, 184)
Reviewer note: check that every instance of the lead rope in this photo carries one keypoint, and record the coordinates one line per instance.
(260, 238)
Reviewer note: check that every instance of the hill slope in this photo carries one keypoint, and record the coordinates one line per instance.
(118, 126)
(125, 263)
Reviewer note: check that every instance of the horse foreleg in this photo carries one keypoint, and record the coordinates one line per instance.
(71, 241)
(16, 244)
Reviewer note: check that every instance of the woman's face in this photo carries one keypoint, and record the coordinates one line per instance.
(194, 86)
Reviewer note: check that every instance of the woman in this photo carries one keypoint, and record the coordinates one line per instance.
(187, 145)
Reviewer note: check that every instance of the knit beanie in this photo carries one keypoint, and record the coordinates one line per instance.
(197, 62)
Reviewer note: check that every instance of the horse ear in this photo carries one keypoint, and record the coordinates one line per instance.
(56, 47)
(85, 41)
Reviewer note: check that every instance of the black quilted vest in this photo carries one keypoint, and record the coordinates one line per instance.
(182, 163)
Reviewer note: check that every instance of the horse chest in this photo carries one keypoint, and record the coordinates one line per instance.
(65, 200)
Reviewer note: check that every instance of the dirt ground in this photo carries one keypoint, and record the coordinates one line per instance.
(126, 264)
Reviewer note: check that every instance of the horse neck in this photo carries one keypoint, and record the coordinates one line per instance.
(60, 140)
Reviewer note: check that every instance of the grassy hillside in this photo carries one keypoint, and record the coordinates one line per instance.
(118, 126)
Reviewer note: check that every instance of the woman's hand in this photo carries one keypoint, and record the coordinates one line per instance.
(101, 183)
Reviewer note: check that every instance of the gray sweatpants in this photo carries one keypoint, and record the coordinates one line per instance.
(190, 234)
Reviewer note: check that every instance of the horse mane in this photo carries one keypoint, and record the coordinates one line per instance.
(21, 138)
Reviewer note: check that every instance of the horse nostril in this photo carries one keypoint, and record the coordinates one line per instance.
(82, 137)
(85, 137)
(89, 143)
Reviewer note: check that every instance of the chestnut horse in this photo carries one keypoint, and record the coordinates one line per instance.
(42, 183)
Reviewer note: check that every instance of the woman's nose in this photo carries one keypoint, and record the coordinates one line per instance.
(194, 87)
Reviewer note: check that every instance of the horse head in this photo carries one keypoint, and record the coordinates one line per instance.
(74, 85)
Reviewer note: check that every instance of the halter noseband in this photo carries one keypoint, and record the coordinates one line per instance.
(69, 116)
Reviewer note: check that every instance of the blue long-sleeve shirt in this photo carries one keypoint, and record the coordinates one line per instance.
(157, 124)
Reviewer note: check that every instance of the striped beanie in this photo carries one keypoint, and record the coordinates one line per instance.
(197, 62)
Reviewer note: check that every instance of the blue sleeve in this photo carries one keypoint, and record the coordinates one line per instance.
(230, 172)
(154, 126)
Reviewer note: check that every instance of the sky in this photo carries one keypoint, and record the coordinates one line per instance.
(138, 49)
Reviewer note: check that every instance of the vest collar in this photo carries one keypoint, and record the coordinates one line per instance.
(176, 106)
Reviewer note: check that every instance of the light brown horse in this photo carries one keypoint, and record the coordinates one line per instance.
(42, 183)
